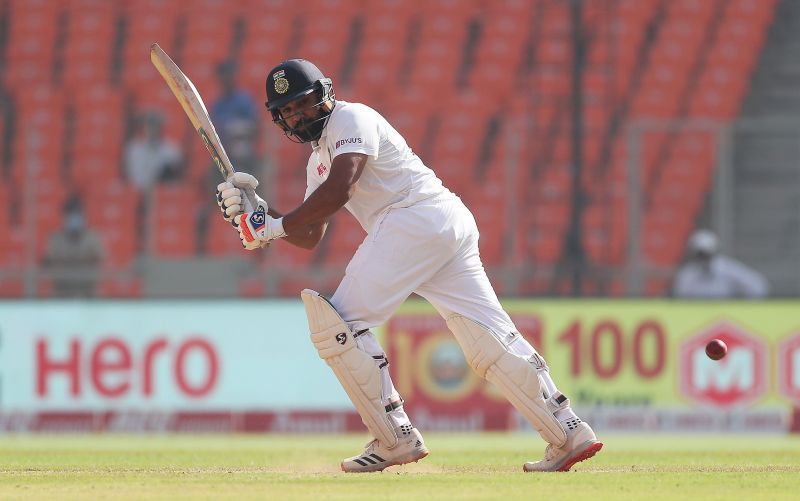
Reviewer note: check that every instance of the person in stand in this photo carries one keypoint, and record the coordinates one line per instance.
(150, 158)
(74, 255)
(709, 274)
(420, 238)
(233, 104)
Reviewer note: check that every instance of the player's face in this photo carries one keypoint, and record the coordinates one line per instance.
(301, 111)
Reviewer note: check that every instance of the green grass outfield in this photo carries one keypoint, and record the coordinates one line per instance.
(460, 467)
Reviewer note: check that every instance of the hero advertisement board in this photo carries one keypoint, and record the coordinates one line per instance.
(189, 365)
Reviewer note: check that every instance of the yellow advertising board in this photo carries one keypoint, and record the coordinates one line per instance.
(615, 360)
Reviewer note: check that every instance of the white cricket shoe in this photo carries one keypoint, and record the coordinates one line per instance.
(581, 444)
(376, 456)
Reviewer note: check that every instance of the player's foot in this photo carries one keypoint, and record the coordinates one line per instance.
(376, 456)
(581, 444)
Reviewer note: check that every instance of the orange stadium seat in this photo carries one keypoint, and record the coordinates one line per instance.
(381, 53)
(288, 257)
(267, 38)
(542, 247)
(489, 209)
(221, 238)
(14, 248)
(720, 92)
(85, 60)
(603, 234)
(38, 146)
(408, 64)
(98, 130)
(6, 204)
(207, 42)
(408, 112)
(174, 227)
(147, 21)
(343, 238)
(759, 12)
(663, 239)
(45, 215)
(113, 210)
(326, 43)
(30, 50)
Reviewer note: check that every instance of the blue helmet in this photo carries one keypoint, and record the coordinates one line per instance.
(293, 79)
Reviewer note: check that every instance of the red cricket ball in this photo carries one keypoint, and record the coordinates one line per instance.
(716, 349)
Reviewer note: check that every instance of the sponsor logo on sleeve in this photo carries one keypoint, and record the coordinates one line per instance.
(321, 170)
(351, 140)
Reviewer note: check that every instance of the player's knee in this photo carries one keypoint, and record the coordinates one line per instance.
(329, 333)
(481, 349)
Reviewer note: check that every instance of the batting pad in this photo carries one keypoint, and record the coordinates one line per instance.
(355, 370)
(516, 378)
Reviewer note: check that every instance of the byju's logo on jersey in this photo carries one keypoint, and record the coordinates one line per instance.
(350, 140)
(258, 219)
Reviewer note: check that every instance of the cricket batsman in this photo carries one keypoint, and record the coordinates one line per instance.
(420, 238)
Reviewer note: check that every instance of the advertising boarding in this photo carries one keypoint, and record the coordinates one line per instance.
(192, 366)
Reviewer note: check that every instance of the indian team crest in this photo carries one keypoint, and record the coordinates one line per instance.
(281, 84)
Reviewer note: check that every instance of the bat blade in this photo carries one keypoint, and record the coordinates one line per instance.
(192, 104)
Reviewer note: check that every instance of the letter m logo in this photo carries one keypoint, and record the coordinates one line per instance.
(736, 380)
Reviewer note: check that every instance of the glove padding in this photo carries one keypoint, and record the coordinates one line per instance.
(238, 195)
(257, 229)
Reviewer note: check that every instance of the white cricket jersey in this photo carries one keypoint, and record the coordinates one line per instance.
(394, 176)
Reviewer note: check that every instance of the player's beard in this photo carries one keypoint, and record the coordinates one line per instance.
(309, 130)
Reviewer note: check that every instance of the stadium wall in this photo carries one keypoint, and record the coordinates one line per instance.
(191, 366)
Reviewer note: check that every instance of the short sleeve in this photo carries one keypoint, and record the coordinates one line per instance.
(312, 178)
(355, 130)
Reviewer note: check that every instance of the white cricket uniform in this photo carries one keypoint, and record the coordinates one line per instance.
(420, 236)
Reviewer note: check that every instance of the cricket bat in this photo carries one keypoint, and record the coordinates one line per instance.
(186, 94)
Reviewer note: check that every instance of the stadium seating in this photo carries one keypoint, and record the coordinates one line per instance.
(479, 89)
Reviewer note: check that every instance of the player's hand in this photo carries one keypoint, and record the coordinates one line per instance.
(257, 229)
(238, 195)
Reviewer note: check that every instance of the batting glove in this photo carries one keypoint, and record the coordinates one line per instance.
(257, 229)
(238, 195)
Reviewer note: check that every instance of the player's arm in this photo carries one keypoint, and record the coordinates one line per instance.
(307, 223)
(306, 238)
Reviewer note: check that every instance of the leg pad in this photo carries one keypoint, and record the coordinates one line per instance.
(355, 369)
(514, 376)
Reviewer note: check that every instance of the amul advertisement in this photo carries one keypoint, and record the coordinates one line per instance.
(626, 366)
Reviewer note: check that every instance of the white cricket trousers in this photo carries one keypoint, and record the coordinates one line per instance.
(430, 249)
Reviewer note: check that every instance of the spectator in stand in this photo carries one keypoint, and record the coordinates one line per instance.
(233, 104)
(708, 274)
(235, 117)
(151, 158)
(74, 255)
